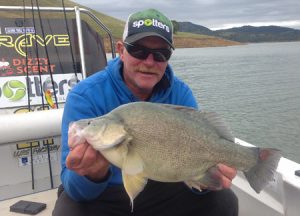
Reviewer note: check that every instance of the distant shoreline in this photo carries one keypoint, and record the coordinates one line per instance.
(189, 42)
(186, 42)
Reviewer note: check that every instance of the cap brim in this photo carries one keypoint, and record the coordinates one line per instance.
(139, 36)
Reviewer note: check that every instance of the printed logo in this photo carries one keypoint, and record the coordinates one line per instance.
(14, 90)
(150, 22)
(24, 41)
(17, 91)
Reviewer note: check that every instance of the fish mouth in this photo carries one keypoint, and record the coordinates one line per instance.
(75, 135)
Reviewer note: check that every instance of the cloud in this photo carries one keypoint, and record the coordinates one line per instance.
(209, 13)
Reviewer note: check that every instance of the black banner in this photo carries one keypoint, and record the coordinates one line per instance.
(19, 37)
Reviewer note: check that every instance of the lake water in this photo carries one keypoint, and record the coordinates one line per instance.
(255, 87)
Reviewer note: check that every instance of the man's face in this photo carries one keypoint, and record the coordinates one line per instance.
(142, 75)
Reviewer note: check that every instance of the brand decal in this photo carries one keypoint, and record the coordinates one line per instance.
(23, 66)
(15, 91)
(31, 40)
(149, 23)
(38, 149)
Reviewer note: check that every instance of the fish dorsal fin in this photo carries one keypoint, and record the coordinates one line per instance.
(179, 108)
(133, 184)
(109, 136)
(133, 163)
(188, 111)
(216, 121)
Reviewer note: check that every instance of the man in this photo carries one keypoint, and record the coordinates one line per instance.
(141, 73)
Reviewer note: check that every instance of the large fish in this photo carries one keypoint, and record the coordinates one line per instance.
(171, 143)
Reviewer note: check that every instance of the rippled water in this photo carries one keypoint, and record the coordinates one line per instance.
(255, 87)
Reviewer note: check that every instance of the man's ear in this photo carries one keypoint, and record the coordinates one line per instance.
(120, 49)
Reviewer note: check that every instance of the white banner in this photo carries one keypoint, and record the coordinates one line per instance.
(14, 91)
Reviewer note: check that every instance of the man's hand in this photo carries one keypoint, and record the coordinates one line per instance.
(225, 174)
(86, 161)
(219, 177)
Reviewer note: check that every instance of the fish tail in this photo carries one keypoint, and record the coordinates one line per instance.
(263, 172)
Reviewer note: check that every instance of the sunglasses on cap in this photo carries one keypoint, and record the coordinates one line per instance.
(141, 52)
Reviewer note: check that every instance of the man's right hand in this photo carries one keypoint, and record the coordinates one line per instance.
(86, 161)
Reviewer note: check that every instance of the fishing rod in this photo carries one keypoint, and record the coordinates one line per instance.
(71, 46)
(28, 94)
(37, 55)
(53, 87)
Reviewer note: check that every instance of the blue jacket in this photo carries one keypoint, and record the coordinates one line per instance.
(98, 95)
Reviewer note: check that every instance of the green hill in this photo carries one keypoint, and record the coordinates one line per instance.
(116, 26)
(245, 34)
(260, 34)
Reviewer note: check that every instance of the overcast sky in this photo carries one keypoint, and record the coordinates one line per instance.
(213, 14)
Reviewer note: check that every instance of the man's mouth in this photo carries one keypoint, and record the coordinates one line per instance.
(147, 73)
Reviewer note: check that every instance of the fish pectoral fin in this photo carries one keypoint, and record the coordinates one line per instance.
(133, 184)
(111, 135)
(133, 163)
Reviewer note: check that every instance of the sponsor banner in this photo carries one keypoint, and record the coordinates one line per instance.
(25, 49)
(16, 91)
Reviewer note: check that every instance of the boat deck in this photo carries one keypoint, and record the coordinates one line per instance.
(48, 197)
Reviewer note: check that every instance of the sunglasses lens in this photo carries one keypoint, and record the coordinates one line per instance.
(162, 55)
(140, 52)
(137, 52)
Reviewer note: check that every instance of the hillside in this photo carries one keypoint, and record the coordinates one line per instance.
(260, 34)
(194, 28)
(190, 40)
(116, 26)
(245, 34)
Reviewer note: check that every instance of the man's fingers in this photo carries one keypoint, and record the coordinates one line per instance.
(227, 171)
(221, 177)
(75, 156)
(86, 161)
(225, 182)
(89, 157)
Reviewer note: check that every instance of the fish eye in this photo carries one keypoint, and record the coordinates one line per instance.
(89, 122)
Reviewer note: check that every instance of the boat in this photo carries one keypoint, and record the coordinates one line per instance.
(30, 132)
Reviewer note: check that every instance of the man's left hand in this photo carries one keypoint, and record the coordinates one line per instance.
(225, 174)
(218, 177)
